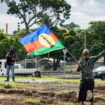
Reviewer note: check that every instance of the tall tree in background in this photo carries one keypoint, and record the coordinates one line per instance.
(31, 12)
(6, 41)
(97, 34)
(71, 26)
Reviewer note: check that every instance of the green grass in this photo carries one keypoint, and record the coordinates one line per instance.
(13, 84)
(32, 101)
(38, 101)
(100, 82)
(66, 103)
(46, 78)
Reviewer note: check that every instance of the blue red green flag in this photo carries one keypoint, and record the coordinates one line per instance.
(42, 41)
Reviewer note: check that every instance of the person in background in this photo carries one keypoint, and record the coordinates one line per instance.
(11, 58)
(85, 67)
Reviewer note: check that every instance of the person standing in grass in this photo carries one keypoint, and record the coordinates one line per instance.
(11, 58)
(85, 67)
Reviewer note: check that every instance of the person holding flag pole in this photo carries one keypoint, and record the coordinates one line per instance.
(85, 66)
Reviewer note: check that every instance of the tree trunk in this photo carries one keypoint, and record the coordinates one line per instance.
(56, 64)
(27, 28)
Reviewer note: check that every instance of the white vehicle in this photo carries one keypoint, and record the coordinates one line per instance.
(18, 69)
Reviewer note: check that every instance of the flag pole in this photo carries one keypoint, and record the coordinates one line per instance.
(72, 56)
(64, 52)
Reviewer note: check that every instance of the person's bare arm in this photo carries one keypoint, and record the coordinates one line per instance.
(7, 55)
(95, 58)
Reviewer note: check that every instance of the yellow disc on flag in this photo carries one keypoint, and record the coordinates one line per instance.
(46, 40)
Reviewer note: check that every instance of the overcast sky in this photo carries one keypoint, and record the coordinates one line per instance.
(82, 12)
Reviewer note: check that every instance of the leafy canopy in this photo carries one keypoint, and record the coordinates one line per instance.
(50, 12)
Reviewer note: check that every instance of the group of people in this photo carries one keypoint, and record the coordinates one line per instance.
(85, 66)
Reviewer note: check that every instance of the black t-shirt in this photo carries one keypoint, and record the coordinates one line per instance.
(11, 59)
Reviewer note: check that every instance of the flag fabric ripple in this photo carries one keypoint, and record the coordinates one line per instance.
(42, 41)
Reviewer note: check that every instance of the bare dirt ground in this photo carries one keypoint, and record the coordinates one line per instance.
(47, 93)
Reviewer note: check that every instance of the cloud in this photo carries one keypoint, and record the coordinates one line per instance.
(83, 11)
(3, 8)
(7, 19)
(10, 20)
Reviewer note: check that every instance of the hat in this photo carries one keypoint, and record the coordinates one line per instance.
(85, 51)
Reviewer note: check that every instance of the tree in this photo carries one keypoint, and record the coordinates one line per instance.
(71, 26)
(22, 33)
(19, 49)
(5, 43)
(96, 36)
(2, 35)
(72, 40)
(33, 12)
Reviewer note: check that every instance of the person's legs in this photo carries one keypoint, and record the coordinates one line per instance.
(82, 92)
(12, 71)
(91, 87)
(82, 103)
(82, 95)
(91, 101)
(8, 71)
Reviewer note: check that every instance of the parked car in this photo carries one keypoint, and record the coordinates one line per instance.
(19, 69)
(99, 72)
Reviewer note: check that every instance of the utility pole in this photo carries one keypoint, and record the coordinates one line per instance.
(85, 41)
(64, 52)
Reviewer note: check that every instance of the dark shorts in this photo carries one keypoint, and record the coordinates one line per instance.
(85, 85)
